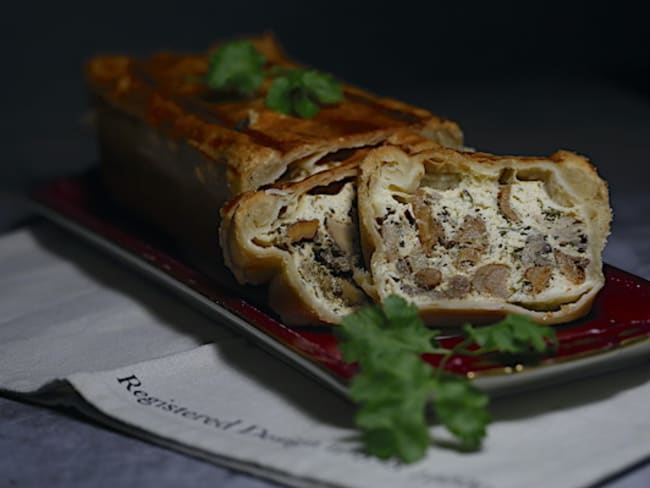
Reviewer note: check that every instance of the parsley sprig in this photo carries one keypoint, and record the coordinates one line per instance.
(394, 385)
(300, 92)
(238, 68)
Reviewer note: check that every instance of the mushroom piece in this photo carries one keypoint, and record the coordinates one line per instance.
(302, 230)
(472, 240)
(536, 250)
(492, 279)
(458, 287)
(342, 234)
(572, 267)
(539, 277)
(503, 200)
(428, 278)
(472, 233)
(430, 231)
(351, 294)
(467, 257)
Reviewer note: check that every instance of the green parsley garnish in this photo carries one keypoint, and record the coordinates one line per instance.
(514, 334)
(237, 67)
(300, 92)
(394, 385)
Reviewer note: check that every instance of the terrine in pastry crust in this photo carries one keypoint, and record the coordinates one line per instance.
(162, 132)
(302, 238)
(472, 236)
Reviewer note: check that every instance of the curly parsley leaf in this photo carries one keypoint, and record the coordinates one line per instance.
(394, 385)
(236, 67)
(514, 334)
(300, 92)
(376, 331)
(278, 97)
(392, 417)
(462, 408)
(322, 86)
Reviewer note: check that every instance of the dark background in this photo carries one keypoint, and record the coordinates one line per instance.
(520, 77)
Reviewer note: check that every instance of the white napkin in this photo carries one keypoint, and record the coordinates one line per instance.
(66, 308)
(233, 404)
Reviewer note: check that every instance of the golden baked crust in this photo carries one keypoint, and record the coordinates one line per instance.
(473, 236)
(249, 143)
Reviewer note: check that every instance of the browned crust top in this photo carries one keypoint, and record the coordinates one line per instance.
(165, 91)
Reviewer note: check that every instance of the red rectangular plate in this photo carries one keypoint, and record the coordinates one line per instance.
(614, 334)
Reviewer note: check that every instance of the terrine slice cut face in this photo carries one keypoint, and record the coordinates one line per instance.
(459, 232)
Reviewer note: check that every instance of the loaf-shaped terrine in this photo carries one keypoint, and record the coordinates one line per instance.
(472, 236)
(465, 236)
(174, 150)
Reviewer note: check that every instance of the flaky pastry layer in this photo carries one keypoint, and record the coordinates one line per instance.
(248, 144)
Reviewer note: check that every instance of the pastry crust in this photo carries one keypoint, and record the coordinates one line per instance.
(302, 239)
(173, 153)
(473, 236)
(244, 141)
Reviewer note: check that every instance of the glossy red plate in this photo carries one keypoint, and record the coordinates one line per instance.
(615, 333)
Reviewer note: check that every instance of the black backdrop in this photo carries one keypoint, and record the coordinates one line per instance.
(418, 51)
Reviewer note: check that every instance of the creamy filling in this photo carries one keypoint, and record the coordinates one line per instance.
(319, 233)
(465, 237)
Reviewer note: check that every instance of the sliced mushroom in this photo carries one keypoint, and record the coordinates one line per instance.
(428, 278)
(536, 250)
(472, 233)
(430, 231)
(262, 242)
(507, 176)
(467, 257)
(572, 267)
(352, 295)
(302, 230)
(492, 279)
(472, 240)
(503, 200)
(458, 287)
(539, 277)
(342, 234)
